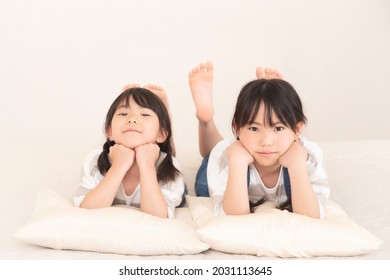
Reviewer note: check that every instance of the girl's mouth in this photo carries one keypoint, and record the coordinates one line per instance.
(266, 154)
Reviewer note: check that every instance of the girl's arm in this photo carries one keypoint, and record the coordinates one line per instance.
(236, 199)
(104, 193)
(152, 199)
(303, 198)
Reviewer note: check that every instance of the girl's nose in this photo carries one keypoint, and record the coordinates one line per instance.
(132, 119)
(266, 140)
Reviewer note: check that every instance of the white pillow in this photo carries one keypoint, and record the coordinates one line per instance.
(275, 233)
(56, 223)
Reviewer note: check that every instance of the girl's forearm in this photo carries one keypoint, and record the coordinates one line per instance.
(236, 200)
(104, 193)
(152, 199)
(303, 198)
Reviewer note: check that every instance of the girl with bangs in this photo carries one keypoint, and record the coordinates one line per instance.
(268, 159)
(136, 166)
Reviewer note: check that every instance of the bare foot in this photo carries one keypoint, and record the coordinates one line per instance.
(267, 73)
(160, 92)
(201, 85)
(125, 87)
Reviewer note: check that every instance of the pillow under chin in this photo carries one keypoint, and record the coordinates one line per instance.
(56, 223)
(274, 233)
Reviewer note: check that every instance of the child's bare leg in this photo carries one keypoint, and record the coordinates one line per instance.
(201, 84)
(209, 136)
(160, 92)
(267, 73)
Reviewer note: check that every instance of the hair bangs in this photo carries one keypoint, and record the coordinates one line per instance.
(248, 106)
(273, 107)
(287, 105)
(268, 119)
(281, 104)
(145, 98)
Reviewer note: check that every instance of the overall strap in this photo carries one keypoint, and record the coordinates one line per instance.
(287, 185)
(248, 176)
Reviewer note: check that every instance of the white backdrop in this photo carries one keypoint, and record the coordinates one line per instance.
(63, 62)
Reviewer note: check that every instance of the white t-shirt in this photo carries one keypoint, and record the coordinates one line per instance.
(218, 170)
(172, 191)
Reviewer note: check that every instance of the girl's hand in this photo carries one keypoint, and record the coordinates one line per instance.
(296, 154)
(237, 152)
(121, 156)
(146, 155)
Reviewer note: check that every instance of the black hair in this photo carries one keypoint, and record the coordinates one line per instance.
(279, 97)
(145, 98)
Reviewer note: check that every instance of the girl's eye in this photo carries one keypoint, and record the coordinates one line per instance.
(253, 128)
(279, 128)
(122, 114)
(145, 115)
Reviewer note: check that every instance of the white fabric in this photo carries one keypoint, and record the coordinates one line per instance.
(56, 223)
(218, 170)
(172, 191)
(274, 233)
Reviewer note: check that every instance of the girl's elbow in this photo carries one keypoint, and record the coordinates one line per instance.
(315, 213)
(235, 210)
(161, 213)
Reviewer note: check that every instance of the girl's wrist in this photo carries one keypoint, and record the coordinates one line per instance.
(146, 166)
(119, 167)
(238, 164)
(239, 160)
(296, 166)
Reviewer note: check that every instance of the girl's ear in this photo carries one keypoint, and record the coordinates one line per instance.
(299, 129)
(162, 136)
